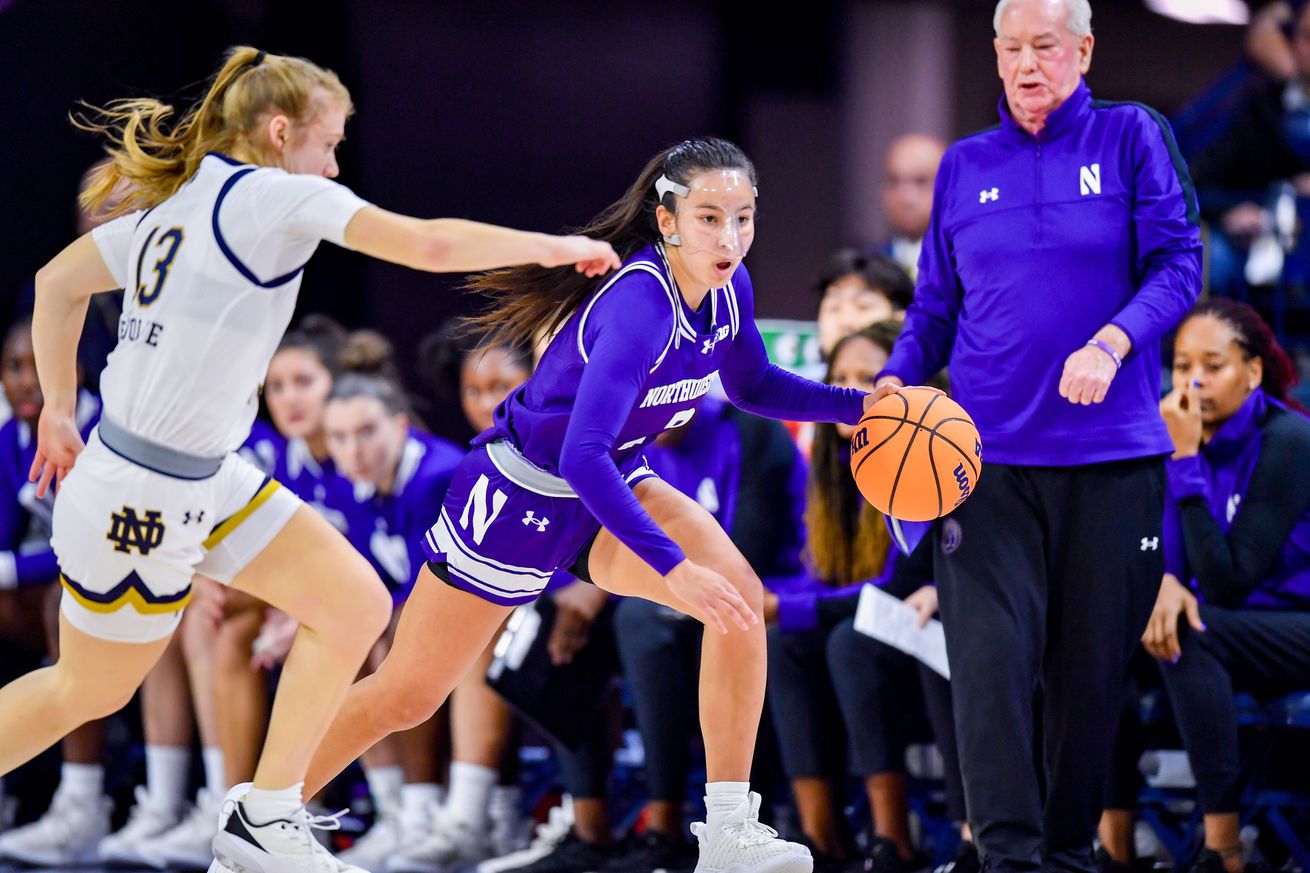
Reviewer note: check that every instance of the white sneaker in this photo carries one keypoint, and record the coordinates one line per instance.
(69, 833)
(451, 845)
(550, 833)
(510, 833)
(282, 845)
(146, 823)
(187, 846)
(740, 844)
(376, 846)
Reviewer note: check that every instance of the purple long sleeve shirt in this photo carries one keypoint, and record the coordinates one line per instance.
(633, 361)
(1035, 244)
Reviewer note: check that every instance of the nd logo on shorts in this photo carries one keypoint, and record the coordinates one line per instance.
(127, 531)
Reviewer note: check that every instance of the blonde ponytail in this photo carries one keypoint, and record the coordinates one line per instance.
(156, 156)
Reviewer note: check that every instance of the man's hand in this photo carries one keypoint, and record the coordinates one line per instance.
(1089, 371)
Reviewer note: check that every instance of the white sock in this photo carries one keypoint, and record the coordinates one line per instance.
(722, 799)
(418, 798)
(82, 780)
(265, 806)
(215, 770)
(470, 792)
(168, 769)
(504, 803)
(385, 784)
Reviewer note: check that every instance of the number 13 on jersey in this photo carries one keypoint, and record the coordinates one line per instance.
(167, 245)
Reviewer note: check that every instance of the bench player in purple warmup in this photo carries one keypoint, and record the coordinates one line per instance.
(560, 481)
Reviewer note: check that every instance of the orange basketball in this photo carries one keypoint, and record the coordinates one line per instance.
(916, 454)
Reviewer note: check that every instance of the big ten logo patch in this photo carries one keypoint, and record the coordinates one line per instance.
(128, 531)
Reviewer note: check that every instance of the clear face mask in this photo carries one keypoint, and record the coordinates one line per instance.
(714, 215)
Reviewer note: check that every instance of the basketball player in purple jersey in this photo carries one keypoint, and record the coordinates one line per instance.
(560, 481)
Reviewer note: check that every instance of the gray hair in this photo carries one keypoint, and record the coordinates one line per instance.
(1079, 21)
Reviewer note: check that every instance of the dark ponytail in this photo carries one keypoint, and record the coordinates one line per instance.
(530, 300)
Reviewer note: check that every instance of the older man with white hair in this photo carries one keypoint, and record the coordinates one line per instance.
(1063, 243)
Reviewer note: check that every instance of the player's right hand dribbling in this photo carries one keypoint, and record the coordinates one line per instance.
(58, 444)
(710, 597)
(590, 256)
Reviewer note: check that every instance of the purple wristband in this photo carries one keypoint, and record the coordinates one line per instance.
(1105, 347)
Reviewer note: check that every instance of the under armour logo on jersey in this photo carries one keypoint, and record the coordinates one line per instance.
(477, 506)
(128, 532)
(1150, 544)
(989, 194)
(1089, 180)
(198, 518)
(719, 335)
(530, 518)
(1234, 501)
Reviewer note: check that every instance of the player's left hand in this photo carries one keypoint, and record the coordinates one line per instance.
(1087, 375)
(57, 446)
(886, 389)
(590, 256)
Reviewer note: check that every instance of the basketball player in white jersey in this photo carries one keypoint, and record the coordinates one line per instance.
(230, 201)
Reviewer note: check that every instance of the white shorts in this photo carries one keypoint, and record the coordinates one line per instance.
(129, 539)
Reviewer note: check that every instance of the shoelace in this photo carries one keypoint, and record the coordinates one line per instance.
(748, 832)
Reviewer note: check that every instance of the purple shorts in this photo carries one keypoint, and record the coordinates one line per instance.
(506, 525)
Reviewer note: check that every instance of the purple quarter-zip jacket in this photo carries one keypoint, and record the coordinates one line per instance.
(1035, 244)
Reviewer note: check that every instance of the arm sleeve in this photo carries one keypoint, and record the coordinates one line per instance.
(756, 385)
(924, 346)
(1227, 568)
(618, 361)
(1166, 225)
(310, 207)
(114, 240)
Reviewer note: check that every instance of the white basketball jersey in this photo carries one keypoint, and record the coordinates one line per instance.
(209, 281)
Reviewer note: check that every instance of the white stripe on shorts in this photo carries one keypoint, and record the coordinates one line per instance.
(503, 580)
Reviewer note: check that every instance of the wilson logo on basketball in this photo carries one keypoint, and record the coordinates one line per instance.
(962, 479)
(860, 440)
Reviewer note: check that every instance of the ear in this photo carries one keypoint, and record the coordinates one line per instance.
(1085, 46)
(666, 220)
(402, 422)
(1255, 369)
(278, 130)
(996, 44)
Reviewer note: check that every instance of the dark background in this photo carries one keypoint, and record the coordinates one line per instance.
(538, 114)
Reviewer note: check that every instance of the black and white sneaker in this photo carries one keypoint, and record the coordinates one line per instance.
(283, 845)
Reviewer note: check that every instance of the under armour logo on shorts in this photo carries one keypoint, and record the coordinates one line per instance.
(531, 518)
(1150, 544)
